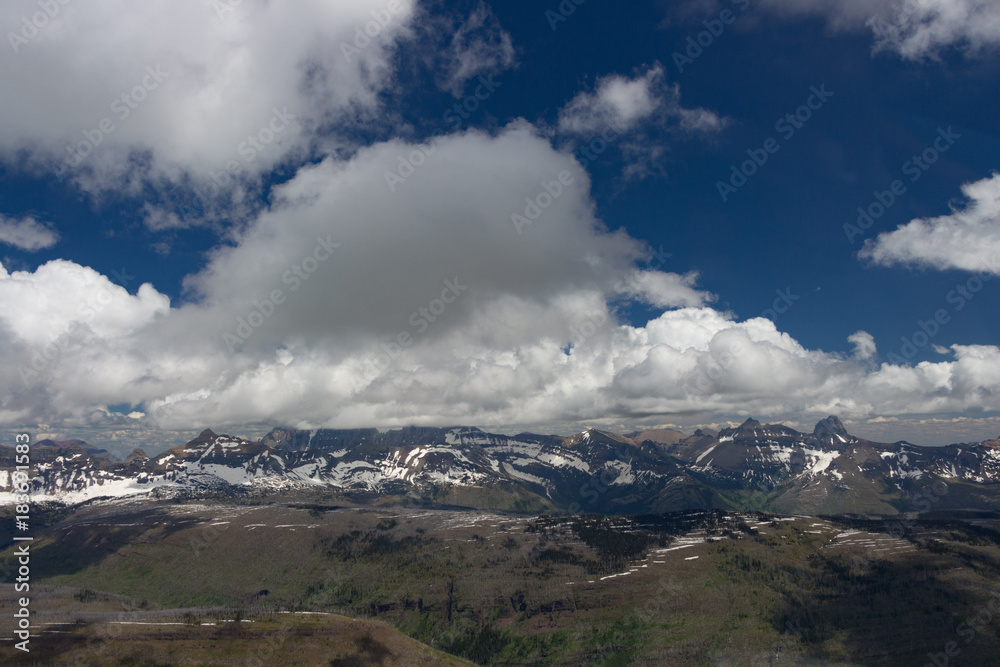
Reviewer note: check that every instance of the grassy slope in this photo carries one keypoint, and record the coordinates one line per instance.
(212, 637)
(509, 590)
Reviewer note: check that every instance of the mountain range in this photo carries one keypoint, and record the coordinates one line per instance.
(758, 466)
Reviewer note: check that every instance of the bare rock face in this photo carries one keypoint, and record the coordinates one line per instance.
(829, 427)
(827, 470)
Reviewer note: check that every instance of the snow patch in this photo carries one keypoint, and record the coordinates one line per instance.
(707, 452)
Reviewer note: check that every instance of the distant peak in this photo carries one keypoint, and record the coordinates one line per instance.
(137, 455)
(204, 440)
(829, 427)
(750, 423)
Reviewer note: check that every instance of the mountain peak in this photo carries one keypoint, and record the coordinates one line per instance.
(137, 456)
(829, 427)
(548, 470)
(596, 436)
(205, 440)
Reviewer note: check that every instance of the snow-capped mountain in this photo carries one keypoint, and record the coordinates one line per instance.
(831, 471)
(766, 466)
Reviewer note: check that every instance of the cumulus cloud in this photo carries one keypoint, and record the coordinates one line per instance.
(73, 343)
(622, 103)
(467, 280)
(914, 29)
(665, 290)
(642, 115)
(967, 239)
(921, 28)
(841, 14)
(617, 102)
(27, 233)
(479, 46)
(347, 304)
(864, 345)
(198, 89)
(337, 269)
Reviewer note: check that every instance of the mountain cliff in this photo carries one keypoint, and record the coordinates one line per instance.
(754, 465)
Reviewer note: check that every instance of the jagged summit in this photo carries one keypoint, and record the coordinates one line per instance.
(752, 429)
(594, 436)
(137, 456)
(827, 470)
(829, 427)
(205, 439)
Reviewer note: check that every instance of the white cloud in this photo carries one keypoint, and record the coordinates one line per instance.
(479, 46)
(27, 233)
(499, 327)
(423, 302)
(73, 343)
(915, 29)
(967, 239)
(397, 253)
(622, 103)
(665, 290)
(701, 120)
(921, 28)
(642, 115)
(864, 345)
(617, 102)
(841, 14)
(197, 86)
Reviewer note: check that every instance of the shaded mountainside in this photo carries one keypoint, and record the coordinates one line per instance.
(754, 465)
(263, 583)
(55, 445)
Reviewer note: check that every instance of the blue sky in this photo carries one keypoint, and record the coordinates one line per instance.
(667, 278)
